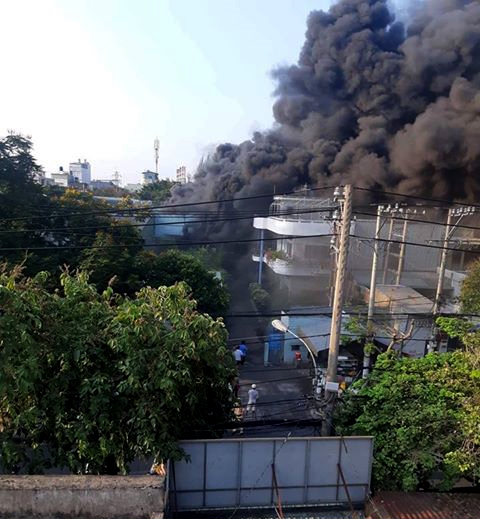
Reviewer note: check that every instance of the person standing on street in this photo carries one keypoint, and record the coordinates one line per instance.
(252, 401)
(298, 358)
(237, 355)
(243, 349)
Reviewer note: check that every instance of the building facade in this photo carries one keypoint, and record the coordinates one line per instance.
(61, 178)
(298, 244)
(81, 171)
(149, 177)
(181, 175)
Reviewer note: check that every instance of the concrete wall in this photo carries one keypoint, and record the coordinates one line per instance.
(92, 497)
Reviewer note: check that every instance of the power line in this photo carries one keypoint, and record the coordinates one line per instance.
(290, 311)
(417, 197)
(409, 219)
(276, 402)
(171, 244)
(170, 206)
(416, 244)
(124, 224)
(262, 382)
(249, 240)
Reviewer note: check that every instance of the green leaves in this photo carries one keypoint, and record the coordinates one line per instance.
(421, 414)
(89, 378)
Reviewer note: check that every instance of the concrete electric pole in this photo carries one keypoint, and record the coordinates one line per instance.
(443, 262)
(386, 258)
(373, 288)
(331, 386)
(403, 246)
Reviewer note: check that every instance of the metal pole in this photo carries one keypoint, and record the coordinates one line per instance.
(401, 259)
(262, 252)
(373, 288)
(443, 263)
(334, 262)
(387, 253)
(336, 327)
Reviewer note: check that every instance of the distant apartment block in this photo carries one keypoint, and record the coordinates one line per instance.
(81, 171)
(149, 177)
(61, 178)
(182, 175)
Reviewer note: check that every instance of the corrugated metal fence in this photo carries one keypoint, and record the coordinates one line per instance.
(241, 473)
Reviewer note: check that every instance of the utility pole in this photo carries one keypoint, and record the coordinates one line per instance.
(373, 288)
(333, 256)
(403, 245)
(336, 326)
(387, 253)
(443, 262)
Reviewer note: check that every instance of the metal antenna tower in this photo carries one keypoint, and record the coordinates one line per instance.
(116, 178)
(156, 147)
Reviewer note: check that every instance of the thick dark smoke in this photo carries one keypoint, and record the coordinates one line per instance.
(370, 102)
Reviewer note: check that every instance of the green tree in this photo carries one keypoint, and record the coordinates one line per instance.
(112, 257)
(419, 412)
(49, 229)
(90, 379)
(424, 413)
(260, 297)
(78, 222)
(173, 266)
(157, 191)
(23, 204)
(470, 291)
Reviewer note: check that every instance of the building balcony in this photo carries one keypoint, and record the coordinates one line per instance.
(293, 227)
(297, 227)
(291, 267)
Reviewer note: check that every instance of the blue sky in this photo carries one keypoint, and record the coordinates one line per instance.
(100, 79)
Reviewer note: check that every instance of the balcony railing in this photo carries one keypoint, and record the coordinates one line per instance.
(283, 264)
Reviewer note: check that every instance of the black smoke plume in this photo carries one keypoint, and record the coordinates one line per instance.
(370, 102)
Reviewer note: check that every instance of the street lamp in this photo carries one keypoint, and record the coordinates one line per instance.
(281, 327)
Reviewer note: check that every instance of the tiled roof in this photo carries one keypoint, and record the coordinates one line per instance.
(423, 505)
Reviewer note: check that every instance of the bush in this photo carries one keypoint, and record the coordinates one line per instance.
(260, 297)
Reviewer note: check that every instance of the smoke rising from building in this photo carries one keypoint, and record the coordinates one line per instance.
(370, 102)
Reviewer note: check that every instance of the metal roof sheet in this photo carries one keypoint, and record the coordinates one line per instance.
(424, 505)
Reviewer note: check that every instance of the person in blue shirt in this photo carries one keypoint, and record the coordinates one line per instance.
(243, 349)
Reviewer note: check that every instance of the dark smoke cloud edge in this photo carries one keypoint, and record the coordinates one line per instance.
(369, 102)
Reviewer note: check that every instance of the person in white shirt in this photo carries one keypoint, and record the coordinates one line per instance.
(252, 400)
(237, 355)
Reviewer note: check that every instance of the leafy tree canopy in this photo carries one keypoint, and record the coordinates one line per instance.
(422, 415)
(470, 292)
(91, 379)
(172, 266)
(157, 191)
(48, 229)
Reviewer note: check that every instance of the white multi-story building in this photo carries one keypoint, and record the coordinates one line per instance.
(182, 175)
(297, 262)
(81, 171)
(302, 259)
(61, 178)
